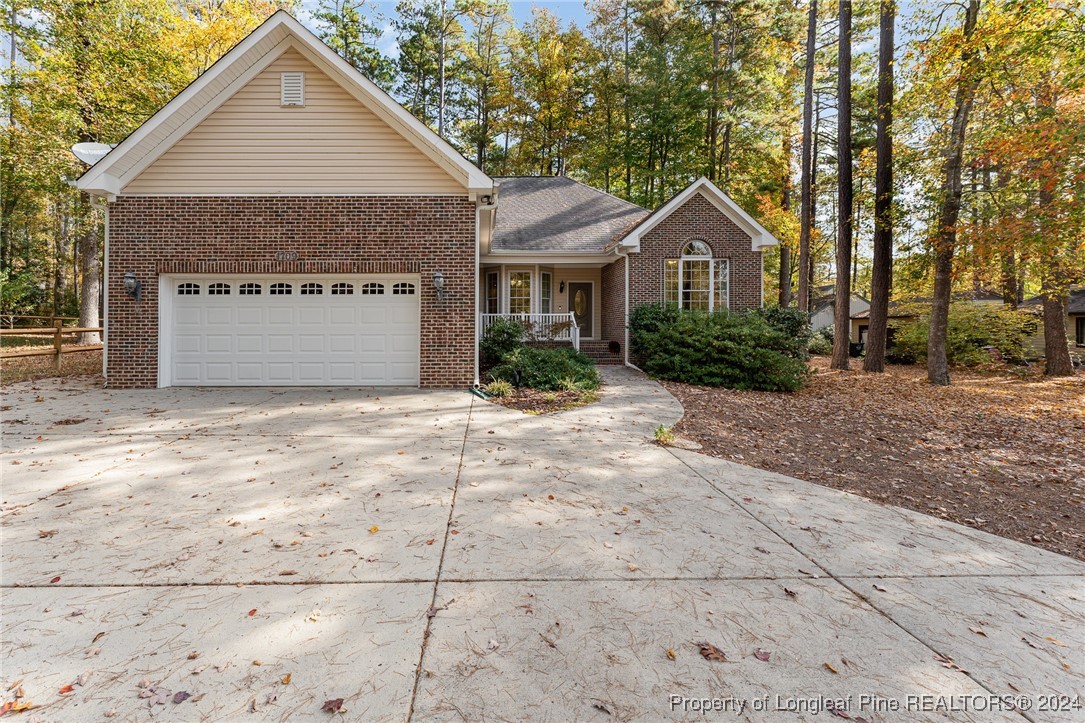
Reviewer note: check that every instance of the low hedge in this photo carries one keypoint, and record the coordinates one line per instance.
(760, 349)
(547, 369)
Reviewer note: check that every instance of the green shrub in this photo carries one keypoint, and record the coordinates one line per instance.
(547, 369)
(791, 321)
(498, 388)
(664, 436)
(502, 337)
(741, 351)
(821, 341)
(973, 330)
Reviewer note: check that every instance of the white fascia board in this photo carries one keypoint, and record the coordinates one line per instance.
(760, 238)
(89, 181)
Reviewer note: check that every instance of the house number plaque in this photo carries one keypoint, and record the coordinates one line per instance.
(286, 256)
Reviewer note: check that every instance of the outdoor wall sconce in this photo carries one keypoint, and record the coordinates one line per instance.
(132, 287)
(439, 284)
(561, 287)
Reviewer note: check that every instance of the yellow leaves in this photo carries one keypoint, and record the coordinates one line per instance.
(374, 530)
(286, 679)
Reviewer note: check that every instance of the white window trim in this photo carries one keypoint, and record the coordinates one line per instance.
(531, 290)
(551, 285)
(712, 262)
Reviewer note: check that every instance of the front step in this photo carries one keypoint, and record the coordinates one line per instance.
(600, 352)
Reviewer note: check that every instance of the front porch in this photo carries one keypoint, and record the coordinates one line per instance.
(581, 304)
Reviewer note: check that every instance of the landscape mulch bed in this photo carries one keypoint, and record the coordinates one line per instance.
(533, 401)
(1002, 452)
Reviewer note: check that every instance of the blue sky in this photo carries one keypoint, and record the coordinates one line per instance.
(567, 10)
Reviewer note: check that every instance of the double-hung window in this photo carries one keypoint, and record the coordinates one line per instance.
(696, 280)
(546, 293)
(520, 292)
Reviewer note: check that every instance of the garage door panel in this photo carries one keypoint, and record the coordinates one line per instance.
(311, 316)
(250, 315)
(249, 372)
(250, 343)
(219, 343)
(288, 339)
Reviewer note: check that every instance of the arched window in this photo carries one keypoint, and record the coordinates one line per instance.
(341, 288)
(695, 280)
(188, 289)
(249, 289)
(281, 288)
(372, 288)
(402, 287)
(218, 289)
(311, 289)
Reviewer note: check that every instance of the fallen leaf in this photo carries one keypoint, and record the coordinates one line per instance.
(111, 713)
(711, 652)
(671, 655)
(181, 696)
(791, 593)
(42, 534)
(829, 668)
(83, 677)
(97, 637)
(879, 588)
(839, 713)
(374, 530)
(285, 573)
(1056, 642)
(333, 705)
(15, 684)
(20, 706)
(493, 645)
(193, 655)
(762, 655)
(633, 568)
(55, 579)
(66, 689)
(257, 662)
(430, 541)
(286, 679)
(978, 631)
(272, 697)
(252, 612)
(5, 707)
(198, 670)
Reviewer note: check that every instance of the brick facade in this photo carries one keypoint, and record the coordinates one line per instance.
(331, 234)
(612, 298)
(697, 219)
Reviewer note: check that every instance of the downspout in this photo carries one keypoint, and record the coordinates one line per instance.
(479, 210)
(105, 299)
(624, 253)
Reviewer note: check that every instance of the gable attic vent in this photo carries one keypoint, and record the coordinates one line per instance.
(292, 89)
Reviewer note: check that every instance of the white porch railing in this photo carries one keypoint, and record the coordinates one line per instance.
(539, 327)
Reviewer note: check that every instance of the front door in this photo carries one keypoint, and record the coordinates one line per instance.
(580, 304)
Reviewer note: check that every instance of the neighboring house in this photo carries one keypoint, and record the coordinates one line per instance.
(904, 311)
(1075, 319)
(823, 307)
(283, 221)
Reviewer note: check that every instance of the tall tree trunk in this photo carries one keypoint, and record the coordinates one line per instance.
(806, 214)
(842, 305)
(881, 280)
(785, 204)
(90, 284)
(714, 99)
(945, 239)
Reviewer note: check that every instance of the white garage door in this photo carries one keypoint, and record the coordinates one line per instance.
(291, 330)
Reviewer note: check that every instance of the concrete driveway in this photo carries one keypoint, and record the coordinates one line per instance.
(429, 556)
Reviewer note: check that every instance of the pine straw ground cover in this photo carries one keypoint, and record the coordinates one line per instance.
(21, 369)
(999, 451)
(533, 401)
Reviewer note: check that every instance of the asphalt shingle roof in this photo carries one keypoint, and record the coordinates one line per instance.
(555, 213)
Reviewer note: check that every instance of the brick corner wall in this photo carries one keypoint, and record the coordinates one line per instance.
(612, 297)
(696, 219)
(331, 234)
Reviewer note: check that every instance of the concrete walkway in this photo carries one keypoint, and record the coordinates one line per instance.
(429, 556)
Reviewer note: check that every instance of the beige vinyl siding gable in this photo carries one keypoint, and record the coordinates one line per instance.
(331, 145)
